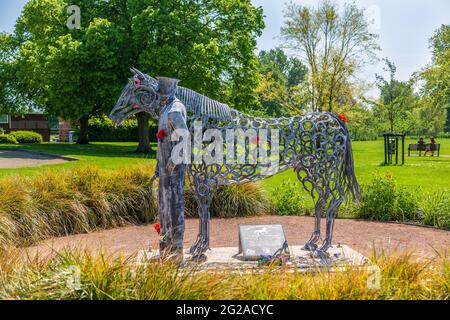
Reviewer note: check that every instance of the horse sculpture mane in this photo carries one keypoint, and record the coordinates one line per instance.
(201, 105)
(196, 103)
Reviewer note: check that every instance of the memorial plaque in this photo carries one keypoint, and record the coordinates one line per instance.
(260, 239)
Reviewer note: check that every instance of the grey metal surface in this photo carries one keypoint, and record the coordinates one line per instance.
(316, 146)
(261, 239)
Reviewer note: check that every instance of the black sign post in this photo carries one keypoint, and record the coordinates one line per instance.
(391, 147)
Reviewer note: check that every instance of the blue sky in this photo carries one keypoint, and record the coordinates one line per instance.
(404, 27)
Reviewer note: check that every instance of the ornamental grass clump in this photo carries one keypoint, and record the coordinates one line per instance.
(63, 202)
(249, 199)
(98, 276)
(58, 203)
(436, 209)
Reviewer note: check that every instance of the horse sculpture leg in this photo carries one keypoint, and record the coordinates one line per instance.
(335, 191)
(311, 244)
(331, 213)
(306, 177)
(204, 198)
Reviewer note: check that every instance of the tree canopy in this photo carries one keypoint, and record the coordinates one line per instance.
(279, 89)
(208, 44)
(436, 88)
(335, 43)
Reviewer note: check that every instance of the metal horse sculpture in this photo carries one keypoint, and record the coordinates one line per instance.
(316, 145)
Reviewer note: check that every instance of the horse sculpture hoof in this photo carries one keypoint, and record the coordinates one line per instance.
(199, 247)
(320, 254)
(310, 246)
(199, 258)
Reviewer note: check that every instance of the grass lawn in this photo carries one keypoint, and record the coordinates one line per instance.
(107, 155)
(429, 173)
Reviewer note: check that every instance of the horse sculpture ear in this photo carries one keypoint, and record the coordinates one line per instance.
(142, 75)
(138, 73)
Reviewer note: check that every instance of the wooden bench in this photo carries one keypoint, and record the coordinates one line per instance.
(423, 147)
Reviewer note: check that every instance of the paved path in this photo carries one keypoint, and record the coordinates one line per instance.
(360, 235)
(19, 159)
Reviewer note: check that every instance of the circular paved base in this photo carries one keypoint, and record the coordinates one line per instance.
(359, 235)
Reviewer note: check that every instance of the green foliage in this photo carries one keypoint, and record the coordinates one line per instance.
(208, 44)
(278, 91)
(8, 139)
(436, 76)
(289, 198)
(13, 92)
(362, 124)
(103, 129)
(70, 73)
(75, 74)
(27, 136)
(436, 209)
(335, 42)
(395, 107)
(384, 200)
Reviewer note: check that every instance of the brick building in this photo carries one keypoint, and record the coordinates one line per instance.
(30, 122)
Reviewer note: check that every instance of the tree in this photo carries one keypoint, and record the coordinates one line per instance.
(13, 94)
(278, 91)
(397, 100)
(436, 89)
(208, 44)
(76, 74)
(334, 43)
(361, 122)
(72, 73)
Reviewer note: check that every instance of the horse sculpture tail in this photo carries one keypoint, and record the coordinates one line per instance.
(349, 182)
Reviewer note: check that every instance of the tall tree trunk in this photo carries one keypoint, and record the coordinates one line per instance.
(143, 128)
(83, 134)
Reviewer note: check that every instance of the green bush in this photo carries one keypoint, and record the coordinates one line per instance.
(103, 129)
(2, 131)
(384, 200)
(27, 136)
(290, 198)
(436, 209)
(7, 139)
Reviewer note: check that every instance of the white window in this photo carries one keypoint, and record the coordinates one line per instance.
(4, 118)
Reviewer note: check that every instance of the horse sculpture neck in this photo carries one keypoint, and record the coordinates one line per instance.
(200, 105)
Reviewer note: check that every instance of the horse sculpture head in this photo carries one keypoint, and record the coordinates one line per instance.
(139, 95)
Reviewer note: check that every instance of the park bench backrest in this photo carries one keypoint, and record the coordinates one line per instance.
(416, 146)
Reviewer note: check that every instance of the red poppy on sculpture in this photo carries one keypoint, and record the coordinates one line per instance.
(161, 134)
(157, 227)
(342, 117)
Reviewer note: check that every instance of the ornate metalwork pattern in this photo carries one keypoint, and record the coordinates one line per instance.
(316, 145)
